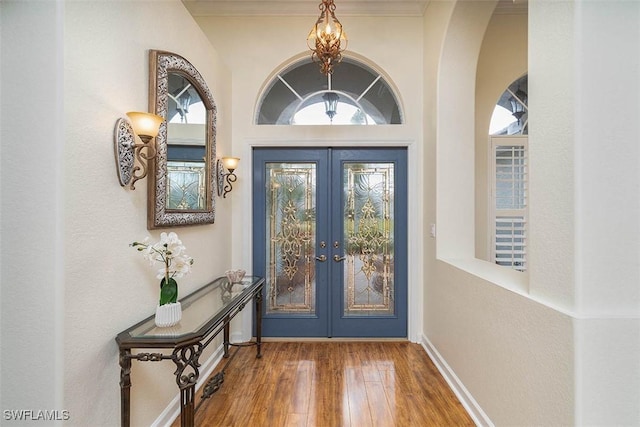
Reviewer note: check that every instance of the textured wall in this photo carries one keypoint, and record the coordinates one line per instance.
(561, 349)
(108, 285)
(75, 283)
(513, 354)
(32, 250)
(607, 216)
(551, 145)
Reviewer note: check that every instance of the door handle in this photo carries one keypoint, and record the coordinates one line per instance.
(321, 258)
(338, 258)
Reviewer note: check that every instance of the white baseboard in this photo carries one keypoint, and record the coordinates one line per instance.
(171, 412)
(237, 337)
(479, 417)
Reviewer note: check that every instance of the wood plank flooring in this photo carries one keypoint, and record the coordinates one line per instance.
(327, 384)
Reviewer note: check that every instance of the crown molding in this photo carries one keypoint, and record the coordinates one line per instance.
(304, 7)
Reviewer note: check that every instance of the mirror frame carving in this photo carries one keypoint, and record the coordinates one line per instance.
(161, 64)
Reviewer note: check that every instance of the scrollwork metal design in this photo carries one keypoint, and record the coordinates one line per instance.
(292, 239)
(125, 142)
(150, 357)
(213, 385)
(187, 364)
(369, 240)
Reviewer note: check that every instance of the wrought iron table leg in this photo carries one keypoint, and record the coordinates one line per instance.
(225, 339)
(125, 387)
(187, 373)
(187, 406)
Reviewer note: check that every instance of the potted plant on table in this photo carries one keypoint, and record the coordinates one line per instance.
(169, 252)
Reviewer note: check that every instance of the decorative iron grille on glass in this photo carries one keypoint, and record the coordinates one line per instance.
(291, 201)
(368, 239)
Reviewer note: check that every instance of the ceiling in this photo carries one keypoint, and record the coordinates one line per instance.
(343, 7)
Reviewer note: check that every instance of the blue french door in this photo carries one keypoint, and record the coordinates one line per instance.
(330, 237)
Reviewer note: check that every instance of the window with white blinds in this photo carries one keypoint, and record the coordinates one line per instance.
(509, 201)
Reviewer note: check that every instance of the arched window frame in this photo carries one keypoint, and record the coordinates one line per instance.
(360, 98)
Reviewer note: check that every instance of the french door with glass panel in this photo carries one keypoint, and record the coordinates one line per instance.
(330, 238)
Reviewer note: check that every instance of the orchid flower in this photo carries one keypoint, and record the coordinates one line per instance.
(171, 253)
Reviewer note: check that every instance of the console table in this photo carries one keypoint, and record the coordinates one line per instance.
(205, 313)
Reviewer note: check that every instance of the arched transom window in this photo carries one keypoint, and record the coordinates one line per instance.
(511, 114)
(354, 94)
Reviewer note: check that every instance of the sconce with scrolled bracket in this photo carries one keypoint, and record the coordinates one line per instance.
(146, 126)
(225, 179)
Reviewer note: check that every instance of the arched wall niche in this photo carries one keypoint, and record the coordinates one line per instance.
(472, 306)
(455, 182)
(503, 59)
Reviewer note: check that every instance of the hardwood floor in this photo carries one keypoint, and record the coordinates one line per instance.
(328, 384)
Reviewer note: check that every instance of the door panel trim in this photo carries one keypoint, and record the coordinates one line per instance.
(307, 155)
(375, 326)
(400, 158)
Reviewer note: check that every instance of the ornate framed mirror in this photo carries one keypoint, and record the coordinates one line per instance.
(182, 176)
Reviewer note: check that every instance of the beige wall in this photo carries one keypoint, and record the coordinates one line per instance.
(542, 352)
(84, 284)
(108, 286)
(32, 271)
(255, 55)
(499, 346)
(584, 64)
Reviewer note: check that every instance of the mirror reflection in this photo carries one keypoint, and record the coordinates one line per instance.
(186, 151)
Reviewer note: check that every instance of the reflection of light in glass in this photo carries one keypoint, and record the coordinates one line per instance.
(315, 114)
(197, 114)
(500, 119)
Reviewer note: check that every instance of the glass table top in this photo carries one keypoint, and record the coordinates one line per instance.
(201, 310)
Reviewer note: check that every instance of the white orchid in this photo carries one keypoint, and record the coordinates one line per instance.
(176, 263)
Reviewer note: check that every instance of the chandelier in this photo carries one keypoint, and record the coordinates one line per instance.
(327, 40)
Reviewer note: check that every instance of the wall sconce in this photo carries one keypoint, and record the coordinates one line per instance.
(146, 126)
(225, 179)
